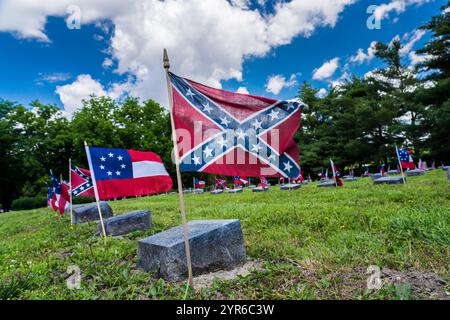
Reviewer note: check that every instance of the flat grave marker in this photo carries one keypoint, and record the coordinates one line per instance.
(290, 186)
(126, 223)
(89, 212)
(215, 245)
(389, 180)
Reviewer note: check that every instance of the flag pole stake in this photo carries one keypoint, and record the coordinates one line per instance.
(70, 191)
(400, 164)
(177, 165)
(94, 182)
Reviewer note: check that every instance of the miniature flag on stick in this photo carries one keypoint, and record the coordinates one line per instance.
(400, 163)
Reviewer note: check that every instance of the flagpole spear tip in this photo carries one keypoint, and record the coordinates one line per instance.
(166, 59)
(85, 143)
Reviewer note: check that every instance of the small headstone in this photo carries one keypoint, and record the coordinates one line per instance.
(197, 191)
(86, 213)
(217, 191)
(305, 182)
(128, 222)
(389, 180)
(290, 186)
(238, 190)
(415, 172)
(328, 183)
(349, 178)
(376, 176)
(214, 244)
(260, 189)
(393, 172)
(446, 168)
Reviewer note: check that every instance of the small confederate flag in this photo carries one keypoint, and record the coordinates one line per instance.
(263, 182)
(220, 183)
(336, 174)
(240, 181)
(81, 182)
(124, 173)
(199, 183)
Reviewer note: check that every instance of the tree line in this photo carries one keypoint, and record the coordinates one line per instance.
(355, 124)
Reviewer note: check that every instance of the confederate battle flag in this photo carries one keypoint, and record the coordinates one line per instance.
(232, 134)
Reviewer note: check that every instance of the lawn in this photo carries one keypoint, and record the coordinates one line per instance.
(314, 243)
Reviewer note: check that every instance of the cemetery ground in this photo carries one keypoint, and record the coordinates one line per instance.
(312, 243)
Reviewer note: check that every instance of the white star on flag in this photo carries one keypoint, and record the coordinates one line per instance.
(287, 166)
(208, 152)
(207, 108)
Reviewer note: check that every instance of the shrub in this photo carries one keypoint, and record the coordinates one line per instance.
(81, 200)
(27, 203)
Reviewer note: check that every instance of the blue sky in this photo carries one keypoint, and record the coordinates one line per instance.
(34, 65)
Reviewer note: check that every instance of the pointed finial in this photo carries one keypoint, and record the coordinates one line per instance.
(85, 143)
(166, 60)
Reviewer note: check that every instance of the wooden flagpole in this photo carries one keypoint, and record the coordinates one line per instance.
(334, 172)
(94, 182)
(400, 164)
(70, 191)
(177, 165)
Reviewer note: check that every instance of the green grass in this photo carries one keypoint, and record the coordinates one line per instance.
(310, 240)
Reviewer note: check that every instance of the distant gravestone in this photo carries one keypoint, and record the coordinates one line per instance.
(260, 189)
(325, 184)
(290, 186)
(415, 172)
(446, 168)
(198, 191)
(238, 190)
(217, 191)
(126, 223)
(393, 172)
(389, 180)
(376, 176)
(214, 244)
(87, 213)
(349, 178)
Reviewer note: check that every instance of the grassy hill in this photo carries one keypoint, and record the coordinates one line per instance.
(314, 244)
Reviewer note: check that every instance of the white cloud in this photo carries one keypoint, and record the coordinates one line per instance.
(278, 82)
(72, 94)
(398, 6)
(321, 93)
(364, 56)
(52, 77)
(416, 58)
(416, 36)
(207, 40)
(242, 90)
(326, 70)
(107, 63)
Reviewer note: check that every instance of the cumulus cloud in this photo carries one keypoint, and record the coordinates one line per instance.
(278, 82)
(72, 94)
(398, 6)
(207, 40)
(327, 70)
(364, 56)
(321, 93)
(242, 90)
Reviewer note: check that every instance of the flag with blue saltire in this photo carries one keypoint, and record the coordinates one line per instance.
(240, 134)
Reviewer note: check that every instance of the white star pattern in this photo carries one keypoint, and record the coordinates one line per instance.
(240, 134)
(118, 173)
(274, 115)
(102, 167)
(119, 158)
(272, 157)
(208, 152)
(190, 93)
(257, 124)
(196, 159)
(256, 147)
(109, 173)
(222, 142)
(122, 166)
(224, 121)
(207, 108)
(111, 155)
(287, 166)
(103, 159)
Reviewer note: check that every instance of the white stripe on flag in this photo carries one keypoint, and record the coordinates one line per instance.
(148, 169)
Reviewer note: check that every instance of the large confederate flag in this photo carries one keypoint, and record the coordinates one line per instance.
(227, 133)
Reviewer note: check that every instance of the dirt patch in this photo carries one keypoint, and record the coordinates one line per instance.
(206, 280)
(424, 285)
(343, 285)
